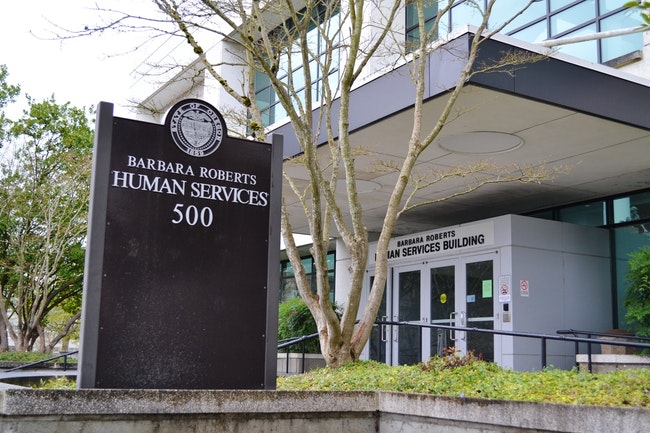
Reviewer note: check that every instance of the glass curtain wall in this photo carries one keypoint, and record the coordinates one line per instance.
(291, 69)
(546, 19)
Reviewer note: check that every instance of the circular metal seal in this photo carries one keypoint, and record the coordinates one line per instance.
(196, 127)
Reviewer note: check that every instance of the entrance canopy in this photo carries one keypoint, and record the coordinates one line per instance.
(559, 111)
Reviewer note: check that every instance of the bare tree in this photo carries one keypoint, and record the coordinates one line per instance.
(275, 39)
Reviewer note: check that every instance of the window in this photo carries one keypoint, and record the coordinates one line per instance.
(292, 68)
(288, 287)
(591, 214)
(631, 221)
(545, 20)
(431, 9)
(632, 210)
(572, 17)
(587, 50)
(465, 13)
(502, 12)
(619, 46)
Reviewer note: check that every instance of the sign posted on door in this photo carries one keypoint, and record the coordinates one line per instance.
(182, 262)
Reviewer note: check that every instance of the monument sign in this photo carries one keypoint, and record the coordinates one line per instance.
(182, 262)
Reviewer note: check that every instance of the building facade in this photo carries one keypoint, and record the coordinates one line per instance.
(582, 107)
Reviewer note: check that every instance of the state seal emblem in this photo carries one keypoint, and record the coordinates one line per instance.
(196, 127)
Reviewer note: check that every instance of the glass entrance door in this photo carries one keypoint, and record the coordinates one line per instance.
(379, 343)
(479, 296)
(443, 306)
(407, 308)
(456, 292)
(462, 295)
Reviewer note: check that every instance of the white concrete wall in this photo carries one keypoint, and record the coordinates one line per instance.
(341, 274)
(390, 54)
(641, 68)
(568, 274)
(223, 56)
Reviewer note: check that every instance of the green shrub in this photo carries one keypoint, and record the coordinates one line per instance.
(637, 299)
(24, 357)
(450, 359)
(295, 320)
(470, 377)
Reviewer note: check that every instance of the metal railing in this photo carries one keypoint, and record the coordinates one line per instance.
(605, 338)
(293, 342)
(44, 361)
(543, 338)
(590, 338)
(569, 335)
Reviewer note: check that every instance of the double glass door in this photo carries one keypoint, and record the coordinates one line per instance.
(458, 292)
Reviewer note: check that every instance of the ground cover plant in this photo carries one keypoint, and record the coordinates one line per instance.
(468, 377)
(471, 377)
(57, 383)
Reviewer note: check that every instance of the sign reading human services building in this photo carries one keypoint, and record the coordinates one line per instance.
(180, 285)
(441, 242)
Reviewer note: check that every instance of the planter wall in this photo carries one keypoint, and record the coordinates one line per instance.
(605, 363)
(177, 411)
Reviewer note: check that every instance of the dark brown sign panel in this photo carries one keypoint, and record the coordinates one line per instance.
(181, 274)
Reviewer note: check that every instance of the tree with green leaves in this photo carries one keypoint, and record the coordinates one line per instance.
(637, 299)
(643, 7)
(44, 185)
(8, 94)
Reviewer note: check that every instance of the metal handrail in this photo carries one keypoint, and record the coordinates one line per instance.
(562, 335)
(542, 337)
(43, 361)
(603, 334)
(599, 340)
(294, 341)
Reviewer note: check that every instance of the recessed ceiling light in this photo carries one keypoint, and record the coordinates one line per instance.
(481, 143)
(363, 186)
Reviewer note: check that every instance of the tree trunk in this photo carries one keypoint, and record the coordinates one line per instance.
(4, 337)
(340, 355)
(63, 335)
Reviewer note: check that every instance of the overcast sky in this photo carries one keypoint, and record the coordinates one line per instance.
(83, 71)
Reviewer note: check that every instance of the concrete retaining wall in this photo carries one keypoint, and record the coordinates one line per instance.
(165, 411)
(295, 363)
(608, 363)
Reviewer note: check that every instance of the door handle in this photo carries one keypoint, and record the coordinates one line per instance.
(382, 329)
(452, 320)
(395, 330)
(462, 323)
